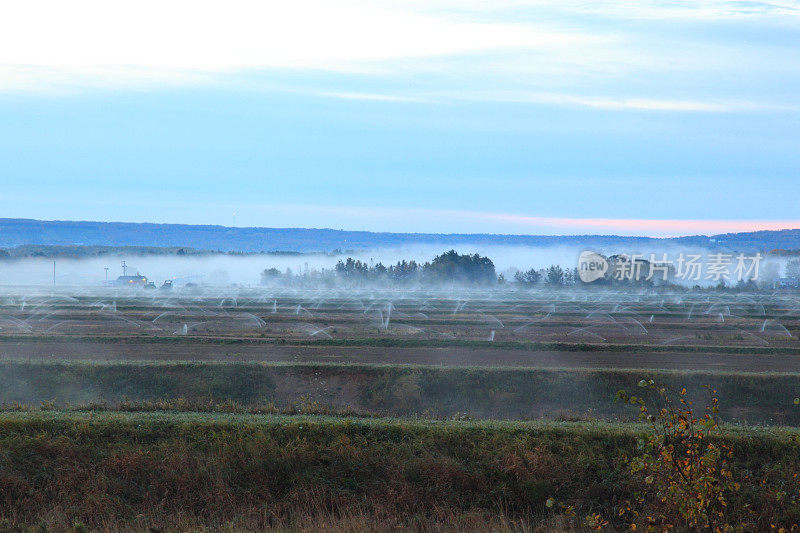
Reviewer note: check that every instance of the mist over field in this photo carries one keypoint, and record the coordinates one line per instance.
(223, 269)
(216, 269)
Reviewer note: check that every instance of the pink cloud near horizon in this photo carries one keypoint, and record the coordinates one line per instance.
(644, 227)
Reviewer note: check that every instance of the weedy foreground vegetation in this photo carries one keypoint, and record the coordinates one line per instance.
(174, 471)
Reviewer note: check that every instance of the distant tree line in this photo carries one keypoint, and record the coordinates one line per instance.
(449, 267)
(474, 269)
(554, 275)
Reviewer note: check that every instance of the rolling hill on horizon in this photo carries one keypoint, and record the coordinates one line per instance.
(18, 232)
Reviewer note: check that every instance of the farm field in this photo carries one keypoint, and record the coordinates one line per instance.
(704, 318)
(340, 409)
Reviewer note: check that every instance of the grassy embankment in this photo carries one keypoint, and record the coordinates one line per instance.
(181, 470)
(400, 390)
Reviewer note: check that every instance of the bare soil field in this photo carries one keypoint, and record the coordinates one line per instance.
(646, 318)
(34, 349)
(689, 330)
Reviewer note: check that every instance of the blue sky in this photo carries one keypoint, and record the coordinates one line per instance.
(657, 118)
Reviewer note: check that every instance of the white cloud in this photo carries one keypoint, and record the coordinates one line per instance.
(564, 53)
(637, 104)
(96, 38)
(630, 9)
(594, 102)
(371, 96)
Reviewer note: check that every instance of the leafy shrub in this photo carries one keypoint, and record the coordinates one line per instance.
(686, 468)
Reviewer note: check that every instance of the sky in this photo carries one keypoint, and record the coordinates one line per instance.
(504, 116)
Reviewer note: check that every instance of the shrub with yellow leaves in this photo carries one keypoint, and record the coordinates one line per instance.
(686, 471)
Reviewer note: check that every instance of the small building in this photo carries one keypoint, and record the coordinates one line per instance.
(130, 281)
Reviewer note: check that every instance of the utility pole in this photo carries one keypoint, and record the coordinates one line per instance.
(106, 269)
(124, 269)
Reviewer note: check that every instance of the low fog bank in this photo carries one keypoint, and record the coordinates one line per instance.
(224, 269)
(219, 270)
